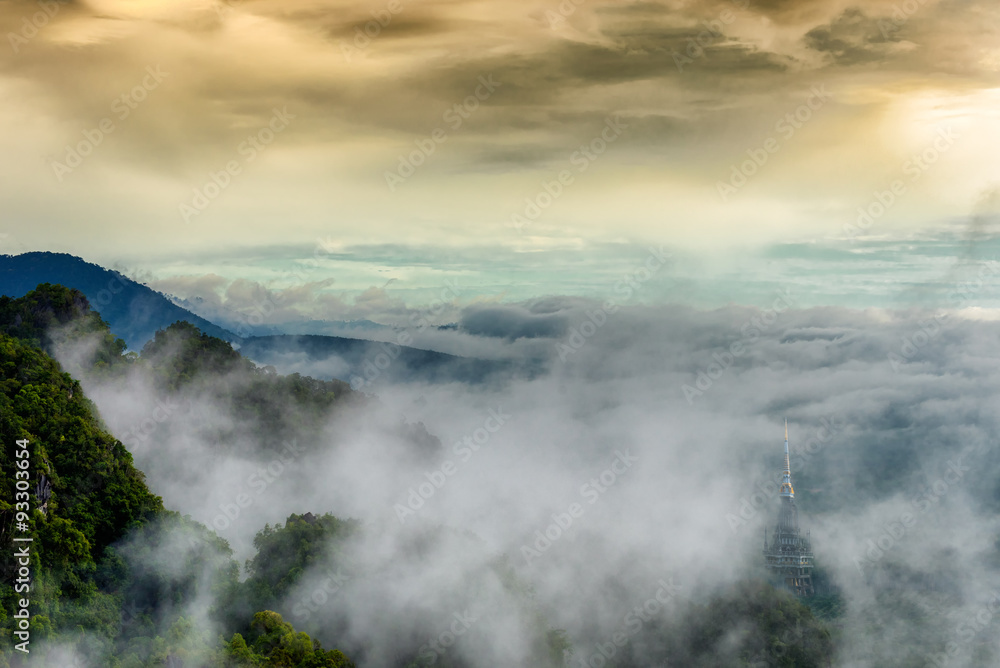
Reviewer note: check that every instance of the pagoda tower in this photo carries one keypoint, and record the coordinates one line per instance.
(789, 555)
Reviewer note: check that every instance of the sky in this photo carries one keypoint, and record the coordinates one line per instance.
(526, 148)
(519, 164)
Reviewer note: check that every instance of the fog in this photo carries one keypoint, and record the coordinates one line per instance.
(646, 453)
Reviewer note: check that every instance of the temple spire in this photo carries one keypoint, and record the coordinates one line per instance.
(789, 554)
(786, 478)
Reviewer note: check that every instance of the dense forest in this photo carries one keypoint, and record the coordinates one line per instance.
(118, 580)
(98, 530)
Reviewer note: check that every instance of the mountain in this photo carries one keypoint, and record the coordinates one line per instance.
(119, 580)
(133, 311)
(236, 321)
(371, 361)
(97, 532)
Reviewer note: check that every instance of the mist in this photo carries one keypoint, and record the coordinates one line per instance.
(640, 466)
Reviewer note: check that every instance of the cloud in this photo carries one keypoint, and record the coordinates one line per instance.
(881, 405)
(513, 322)
(254, 306)
(355, 116)
(854, 38)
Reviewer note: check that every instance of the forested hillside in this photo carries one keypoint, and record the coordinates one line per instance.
(97, 593)
(134, 311)
(118, 580)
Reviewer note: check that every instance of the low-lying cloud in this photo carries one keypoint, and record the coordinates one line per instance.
(602, 476)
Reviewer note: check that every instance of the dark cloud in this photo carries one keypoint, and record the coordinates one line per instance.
(513, 322)
(556, 84)
(854, 38)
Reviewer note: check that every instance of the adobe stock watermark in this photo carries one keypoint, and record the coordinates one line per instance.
(439, 645)
(248, 149)
(321, 594)
(565, 10)
(448, 293)
(964, 291)
(374, 366)
(966, 631)
(901, 13)
(786, 127)
(930, 328)
(750, 332)
(266, 307)
(894, 530)
(304, 270)
(465, 449)
(914, 167)
(592, 492)
(712, 34)
(31, 26)
(107, 294)
(164, 410)
(776, 654)
(581, 159)
(122, 107)
(631, 282)
(768, 488)
(365, 33)
(258, 481)
(632, 623)
(454, 117)
(226, 8)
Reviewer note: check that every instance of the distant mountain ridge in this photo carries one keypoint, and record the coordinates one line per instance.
(134, 311)
(370, 362)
